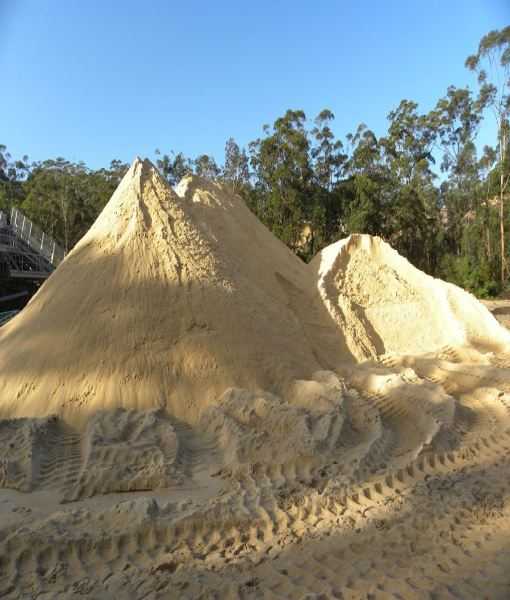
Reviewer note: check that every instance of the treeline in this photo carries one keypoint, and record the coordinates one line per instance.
(421, 186)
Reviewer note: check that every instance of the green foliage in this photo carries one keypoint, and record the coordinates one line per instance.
(65, 198)
(206, 166)
(365, 209)
(12, 175)
(282, 164)
(475, 276)
(492, 64)
(173, 166)
(236, 171)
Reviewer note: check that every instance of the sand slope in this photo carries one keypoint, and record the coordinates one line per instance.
(393, 307)
(232, 423)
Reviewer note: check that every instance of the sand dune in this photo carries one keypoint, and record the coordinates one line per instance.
(189, 411)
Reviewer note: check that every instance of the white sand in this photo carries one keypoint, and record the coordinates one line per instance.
(396, 307)
(189, 411)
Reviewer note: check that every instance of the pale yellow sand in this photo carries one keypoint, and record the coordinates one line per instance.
(189, 411)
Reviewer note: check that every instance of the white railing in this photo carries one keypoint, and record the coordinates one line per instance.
(7, 316)
(36, 238)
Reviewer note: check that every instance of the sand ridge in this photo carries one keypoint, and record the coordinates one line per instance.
(216, 419)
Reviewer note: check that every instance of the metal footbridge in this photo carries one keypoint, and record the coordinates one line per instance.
(25, 250)
(28, 256)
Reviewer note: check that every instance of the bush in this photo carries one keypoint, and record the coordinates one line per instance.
(476, 277)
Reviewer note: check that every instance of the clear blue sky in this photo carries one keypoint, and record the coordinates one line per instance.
(102, 79)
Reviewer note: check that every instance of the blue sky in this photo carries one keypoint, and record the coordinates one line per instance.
(106, 79)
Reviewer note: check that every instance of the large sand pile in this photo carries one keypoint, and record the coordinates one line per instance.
(168, 300)
(232, 423)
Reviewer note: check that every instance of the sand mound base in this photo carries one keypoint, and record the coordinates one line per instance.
(118, 451)
(233, 423)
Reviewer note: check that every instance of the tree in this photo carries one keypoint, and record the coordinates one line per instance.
(65, 198)
(173, 166)
(455, 122)
(327, 152)
(411, 204)
(236, 169)
(281, 162)
(492, 64)
(408, 145)
(366, 184)
(12, 175)
(365, 214)
(206, 166)
(365, 151)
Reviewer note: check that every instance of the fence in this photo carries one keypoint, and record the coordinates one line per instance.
(36, 238)
(7, 316)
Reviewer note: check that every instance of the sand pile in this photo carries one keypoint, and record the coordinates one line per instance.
(386, 305)
(168, 300)
(173, 297)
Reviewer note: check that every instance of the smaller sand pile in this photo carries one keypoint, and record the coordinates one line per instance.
(385, 305)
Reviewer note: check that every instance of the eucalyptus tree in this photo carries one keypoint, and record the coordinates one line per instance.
(206, 166)
(328, 157)
(408, 145)
(173, 166)
(412, 207)
(65, 198)
(12, 175)
(455, 121)
(492, 65)
(283, 173)
(365, 184)
(327, 221)
(236, 172)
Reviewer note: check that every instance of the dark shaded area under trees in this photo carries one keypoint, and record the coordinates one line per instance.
(422, 186)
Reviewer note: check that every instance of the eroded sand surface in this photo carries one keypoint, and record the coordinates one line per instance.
(191, 412)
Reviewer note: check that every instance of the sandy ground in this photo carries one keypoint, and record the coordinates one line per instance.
(338, 430)
(500, 309)
(353, 525)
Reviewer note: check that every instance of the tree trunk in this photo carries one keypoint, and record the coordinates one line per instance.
(502, 231)
(502, 153)
(487, 221)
